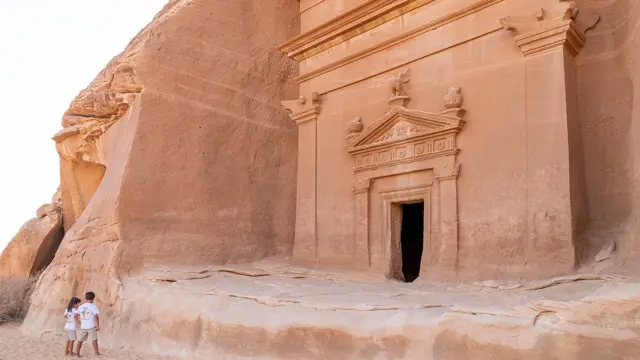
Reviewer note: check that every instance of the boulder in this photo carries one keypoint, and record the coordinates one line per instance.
(35, 245)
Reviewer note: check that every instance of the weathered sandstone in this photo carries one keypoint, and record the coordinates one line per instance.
(489, 143)
(271, 311)
(179, 151)
(35, 245)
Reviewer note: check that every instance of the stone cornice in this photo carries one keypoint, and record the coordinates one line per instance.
(348, 25)
(563, 34)
(545, 30)
(441, 21)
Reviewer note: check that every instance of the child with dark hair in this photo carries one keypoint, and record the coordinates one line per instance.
(70, 326)
(89, 323)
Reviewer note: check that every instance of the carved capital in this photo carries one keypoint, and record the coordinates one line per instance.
(303, 109)
(447, 172)
(362, 186)
(561, 26)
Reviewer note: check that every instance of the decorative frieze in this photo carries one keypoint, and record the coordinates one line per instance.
(367, 16)
(408, 153)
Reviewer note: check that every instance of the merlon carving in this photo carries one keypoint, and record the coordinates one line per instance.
(565, 11)
(523, 24)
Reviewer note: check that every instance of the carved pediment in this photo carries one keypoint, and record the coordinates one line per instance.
(402, 125)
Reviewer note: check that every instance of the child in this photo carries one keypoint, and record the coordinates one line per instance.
(89, 320)
(70, 326)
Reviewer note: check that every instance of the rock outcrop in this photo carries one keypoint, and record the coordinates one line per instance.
(35, 245)
(272, 312)
(178, 152)
(177, 164)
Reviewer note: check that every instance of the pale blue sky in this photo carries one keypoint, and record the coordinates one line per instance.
(49, 51)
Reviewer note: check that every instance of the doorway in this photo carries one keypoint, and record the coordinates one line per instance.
(412, 239)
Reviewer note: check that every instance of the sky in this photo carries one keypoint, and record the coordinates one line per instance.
(49, 51)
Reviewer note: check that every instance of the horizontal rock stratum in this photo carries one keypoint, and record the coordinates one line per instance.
(272, 310)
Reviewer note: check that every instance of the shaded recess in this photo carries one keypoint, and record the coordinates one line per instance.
(412, 239)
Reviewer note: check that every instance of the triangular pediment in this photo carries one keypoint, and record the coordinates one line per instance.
(401, 124)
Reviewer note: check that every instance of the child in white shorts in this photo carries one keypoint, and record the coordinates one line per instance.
(71, 325)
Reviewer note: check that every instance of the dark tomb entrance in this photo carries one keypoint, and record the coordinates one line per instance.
(412, 239)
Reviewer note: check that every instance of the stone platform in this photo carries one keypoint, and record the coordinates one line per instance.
(272, 310)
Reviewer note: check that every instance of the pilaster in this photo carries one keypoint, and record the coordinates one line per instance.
(361, 191)
(447, 175)
(556, 206)
(305, 111)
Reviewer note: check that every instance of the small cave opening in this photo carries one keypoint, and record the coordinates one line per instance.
(47, 250)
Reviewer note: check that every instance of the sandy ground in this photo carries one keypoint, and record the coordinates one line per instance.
(15, 345)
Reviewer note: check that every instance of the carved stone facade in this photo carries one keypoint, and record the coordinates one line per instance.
(519, 208)
(401, 142)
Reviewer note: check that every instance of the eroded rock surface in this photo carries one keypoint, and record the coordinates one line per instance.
(35, 245)
(179, 151)
(177, 160)
(272, 310)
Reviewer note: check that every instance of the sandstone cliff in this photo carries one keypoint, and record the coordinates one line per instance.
(608, 75)
(178, 159)
(178, 152)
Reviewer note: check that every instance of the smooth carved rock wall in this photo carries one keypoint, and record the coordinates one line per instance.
(526, 202)
(520, 193)
(179, 152)
(609, 102)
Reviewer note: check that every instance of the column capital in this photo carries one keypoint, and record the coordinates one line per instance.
(362, 186)
(447, 171)
(561, 26)
(304, 109)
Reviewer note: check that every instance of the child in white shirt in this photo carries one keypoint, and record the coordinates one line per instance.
(70, 326)
(89, 320)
